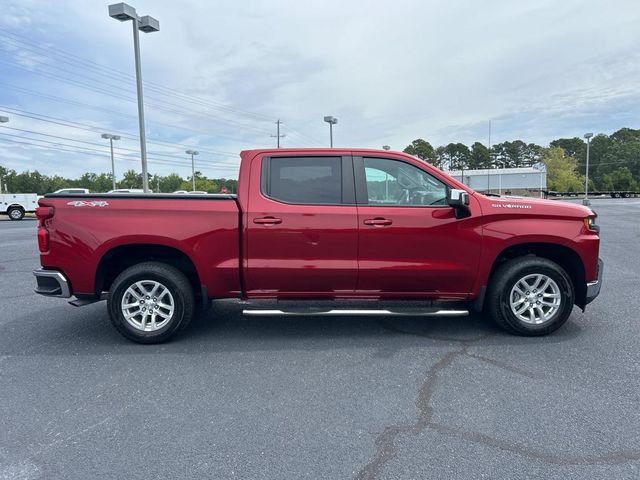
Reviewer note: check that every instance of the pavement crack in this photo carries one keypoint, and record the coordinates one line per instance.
(386, 448)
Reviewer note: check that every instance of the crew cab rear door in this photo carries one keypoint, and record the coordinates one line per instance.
(301, 227)
(410, 241)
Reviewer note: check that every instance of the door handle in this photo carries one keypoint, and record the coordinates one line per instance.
(267, 221)
(378, 222)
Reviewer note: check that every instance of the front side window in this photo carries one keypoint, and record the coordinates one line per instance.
(396, 183)
(304, 180)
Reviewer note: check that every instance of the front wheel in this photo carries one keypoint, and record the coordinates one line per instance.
(150, 302)
(530, 296)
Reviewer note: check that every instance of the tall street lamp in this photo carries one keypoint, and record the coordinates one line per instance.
(331, 121)
(147, 24)
(586, 177)
(111, 138)
(193, 168)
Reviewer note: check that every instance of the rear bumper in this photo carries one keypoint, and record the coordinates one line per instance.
(593, 288)
(52, 283)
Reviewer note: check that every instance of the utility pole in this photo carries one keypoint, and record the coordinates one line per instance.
(277, 135)
(193, 168)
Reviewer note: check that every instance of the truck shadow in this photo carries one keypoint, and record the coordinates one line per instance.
(87, 331)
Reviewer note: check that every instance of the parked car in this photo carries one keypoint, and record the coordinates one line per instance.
(73, 190)
(15, 205)
(357, 231)
(127, 190)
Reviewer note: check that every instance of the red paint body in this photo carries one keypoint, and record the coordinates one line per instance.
(256, 247)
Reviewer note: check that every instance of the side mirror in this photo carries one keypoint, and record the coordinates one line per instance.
(457, 198)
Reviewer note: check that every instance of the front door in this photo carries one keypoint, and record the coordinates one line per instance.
(301, 230)
(410, 242)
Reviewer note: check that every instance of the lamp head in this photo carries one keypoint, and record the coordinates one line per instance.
(122, 12)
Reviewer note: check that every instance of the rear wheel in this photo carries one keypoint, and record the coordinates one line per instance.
(150, 302)
(530, 296)
(15, 213)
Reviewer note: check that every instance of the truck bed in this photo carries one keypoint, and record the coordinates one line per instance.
(87, 231)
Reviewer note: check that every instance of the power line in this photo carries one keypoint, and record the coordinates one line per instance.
(79, 126)
(71, 59)
(132, 100)
(90, 151)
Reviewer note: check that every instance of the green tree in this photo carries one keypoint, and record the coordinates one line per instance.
(423, 150)
(562, 175)
(130, 179)
(620, 179)
(171, 183)
(480, 156)
(455, 156)
(573, 147)
(516, 153)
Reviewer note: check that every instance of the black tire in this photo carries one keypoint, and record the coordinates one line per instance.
(173, 280)
(507, 275)
(15, 213)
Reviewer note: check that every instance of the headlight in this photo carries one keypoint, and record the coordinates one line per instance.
(590, 224)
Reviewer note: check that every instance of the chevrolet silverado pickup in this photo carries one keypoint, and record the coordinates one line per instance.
(322, 232)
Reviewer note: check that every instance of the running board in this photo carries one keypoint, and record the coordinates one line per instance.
(435, 313)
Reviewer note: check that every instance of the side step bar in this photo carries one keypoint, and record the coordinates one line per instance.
(338, 312)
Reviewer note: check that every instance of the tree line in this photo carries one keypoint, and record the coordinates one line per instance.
(36, 182)
(614, 160)
(614, 164)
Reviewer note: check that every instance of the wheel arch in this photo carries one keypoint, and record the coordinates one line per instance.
(119, 258)
(564, 256)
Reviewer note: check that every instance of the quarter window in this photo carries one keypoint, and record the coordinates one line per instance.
(305, 180)
(396, 183)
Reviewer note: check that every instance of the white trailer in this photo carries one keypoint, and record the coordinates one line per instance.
(15, 205)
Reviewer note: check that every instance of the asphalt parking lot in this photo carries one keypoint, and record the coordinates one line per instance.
(290, 398)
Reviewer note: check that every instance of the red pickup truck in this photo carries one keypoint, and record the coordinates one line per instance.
(321, 231)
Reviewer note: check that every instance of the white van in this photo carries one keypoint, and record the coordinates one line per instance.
(17, 204)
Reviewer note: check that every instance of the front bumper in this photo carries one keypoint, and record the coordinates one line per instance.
(593, 288)
(52, 283)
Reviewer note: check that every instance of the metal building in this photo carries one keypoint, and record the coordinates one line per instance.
(519, 180)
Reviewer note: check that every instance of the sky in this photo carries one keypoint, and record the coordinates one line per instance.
(219, 74)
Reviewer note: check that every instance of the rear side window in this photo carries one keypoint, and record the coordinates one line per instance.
(305, 180)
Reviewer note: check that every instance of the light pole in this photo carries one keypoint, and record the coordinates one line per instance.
(3, 120)
(147, 24)
(331, 121)
(586, 177)
(489, 166)
(111, 138)
(193, 168)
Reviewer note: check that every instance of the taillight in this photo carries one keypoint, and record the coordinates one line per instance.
(43, 214)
